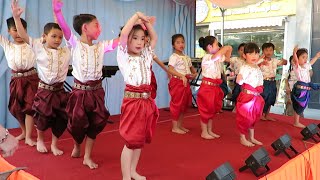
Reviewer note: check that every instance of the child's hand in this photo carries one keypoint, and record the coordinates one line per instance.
(143, 17)
(184, 80)
(295, 49)
(318, 55)
(16, 10)
(263, 56)
(152, 20)
(193, 76)
(140, 22)
(232, 74)
(57, 5)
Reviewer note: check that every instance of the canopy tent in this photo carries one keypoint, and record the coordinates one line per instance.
(223, 4)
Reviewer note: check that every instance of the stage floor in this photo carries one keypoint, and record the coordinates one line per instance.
(170, 156)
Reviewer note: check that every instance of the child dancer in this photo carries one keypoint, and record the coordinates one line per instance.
(87, 114)
(24, 80)
(181, 68)
(51, 98)
(268, 67)
(300, 94)
(139, 112)
(210, 95)
(249, 103)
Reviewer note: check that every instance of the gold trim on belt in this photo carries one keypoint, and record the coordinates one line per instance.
(48, 87)
(129, 94)
(250, 92)
(87, 88)
(209, 83)
(28, 73)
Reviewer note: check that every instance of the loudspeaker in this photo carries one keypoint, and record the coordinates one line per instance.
(257, 161)
(310, 131)
(223, 172)
(283, 143)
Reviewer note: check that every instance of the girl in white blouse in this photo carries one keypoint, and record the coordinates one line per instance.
(139, 112)
(249, 102)
(181, 69)
(300, 94)
(210, 95)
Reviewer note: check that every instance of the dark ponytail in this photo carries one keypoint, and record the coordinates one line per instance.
(204, 42)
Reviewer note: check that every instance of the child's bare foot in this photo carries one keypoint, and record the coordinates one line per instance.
(178, 131)
(299, 125)
(263, 118)
(136, 176)
(88, 162)
(270, 118)
(246, 143)
(184, 129)
(30, 142)
(55, 150)
(22, 136)
(214, 134)
(76, 151)
(254, 141)
(41, 147)
(206, 135)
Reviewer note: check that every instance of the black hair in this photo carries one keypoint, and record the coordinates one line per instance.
(301, 51)
(10, 23)
(49, 26)
(136, 28)
(290, 66)
(267, 45)
(241, 45)
(219, 44)
(251, 48)
(175, 37)
(205, 41)
(79, 20)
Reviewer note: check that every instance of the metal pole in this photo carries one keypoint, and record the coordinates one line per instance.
(222, 25)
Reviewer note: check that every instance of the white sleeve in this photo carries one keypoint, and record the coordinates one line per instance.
(148, 52)
(107, 45)
(35, 43)
(122, 58)
(4, 42)
(72, 42)
(173, 60)
(244, 72)
(189, 62)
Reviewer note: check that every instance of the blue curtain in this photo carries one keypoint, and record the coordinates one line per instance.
(172, 18)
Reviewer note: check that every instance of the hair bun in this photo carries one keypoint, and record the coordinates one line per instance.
(201, 42)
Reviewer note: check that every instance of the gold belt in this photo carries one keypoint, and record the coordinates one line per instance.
(87, 88)
(270, 79)
(129, 94)
(28, 73)
(210, 83)
(48, 87)
(303, 87)
(250, 92)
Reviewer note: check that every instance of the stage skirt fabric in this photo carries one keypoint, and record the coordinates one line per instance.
(153, 85)
(209, 99)
(180, 97)
(249, 108)
(301, 97)
(50, 109)
(138, 118)
(87, 114)
(22, 91)
(269, 94)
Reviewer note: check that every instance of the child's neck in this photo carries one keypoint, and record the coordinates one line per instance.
(18, 43)
(252, 64)
(48, 47)
(179, 52)
(267, 58)
(85, 39)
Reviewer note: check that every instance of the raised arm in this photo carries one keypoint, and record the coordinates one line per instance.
(160, 63)
(315, 58)
(57, 6)
(225, 50)
(127, 28)
(295, 57)
(16, 13)
(152, 32)
(282, 62)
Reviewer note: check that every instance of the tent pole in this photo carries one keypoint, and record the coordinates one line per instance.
(222, 25)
